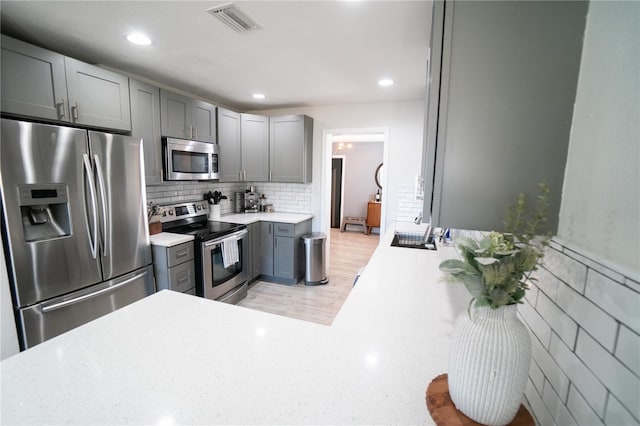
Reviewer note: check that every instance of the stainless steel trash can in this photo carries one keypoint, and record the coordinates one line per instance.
(315, 259)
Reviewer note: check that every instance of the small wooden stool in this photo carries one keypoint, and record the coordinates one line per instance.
(444, 412)
(351, 220)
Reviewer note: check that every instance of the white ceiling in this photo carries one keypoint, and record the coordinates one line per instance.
(307, 52)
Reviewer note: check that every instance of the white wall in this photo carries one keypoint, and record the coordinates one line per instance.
(405, 123)
(600, 210)
(361, 162)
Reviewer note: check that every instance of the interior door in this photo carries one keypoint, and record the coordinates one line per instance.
(123, 227)
(336, 192)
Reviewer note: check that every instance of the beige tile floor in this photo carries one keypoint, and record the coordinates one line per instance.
(350, 251)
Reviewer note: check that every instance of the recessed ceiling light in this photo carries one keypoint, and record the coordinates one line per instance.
(139, 39)
(258, 96)
(385, 82)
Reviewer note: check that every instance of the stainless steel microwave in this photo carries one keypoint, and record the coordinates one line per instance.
(190, 160)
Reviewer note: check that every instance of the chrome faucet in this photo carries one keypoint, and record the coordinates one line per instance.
(418, 219)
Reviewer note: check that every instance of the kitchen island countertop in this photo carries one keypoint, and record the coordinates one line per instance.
(172, 358)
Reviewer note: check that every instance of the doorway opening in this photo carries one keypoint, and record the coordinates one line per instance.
(337, 189)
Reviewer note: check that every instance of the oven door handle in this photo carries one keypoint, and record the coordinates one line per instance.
(239, 235)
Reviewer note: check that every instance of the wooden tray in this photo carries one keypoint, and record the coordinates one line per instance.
(445, 413)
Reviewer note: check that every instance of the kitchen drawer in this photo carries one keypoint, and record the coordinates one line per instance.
(179, 254)
(182, 277)
(284, 229)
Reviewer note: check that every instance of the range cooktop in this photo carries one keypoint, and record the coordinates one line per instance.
(190, 218)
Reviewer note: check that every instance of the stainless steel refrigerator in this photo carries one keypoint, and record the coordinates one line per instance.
(74, 225)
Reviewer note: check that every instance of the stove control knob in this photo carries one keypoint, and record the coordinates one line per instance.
(198, 207)
(170, 212)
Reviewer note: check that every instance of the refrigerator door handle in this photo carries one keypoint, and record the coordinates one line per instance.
(52, 307)
(93, 237)
(106, 219)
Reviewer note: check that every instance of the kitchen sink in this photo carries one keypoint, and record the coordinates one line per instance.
(418, 240)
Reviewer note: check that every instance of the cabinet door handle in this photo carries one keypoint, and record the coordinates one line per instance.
(269, 228)
(240, 175)
(270, 176)
(196, 133)
(60, 109)
(182, 253)
(74, 112)
(244, 172)
(275, 243)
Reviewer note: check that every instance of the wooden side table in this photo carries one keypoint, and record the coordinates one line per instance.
(445, 413)
(373, 215)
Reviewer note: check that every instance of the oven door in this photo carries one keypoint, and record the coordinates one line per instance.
(190, 160)
(218, 280)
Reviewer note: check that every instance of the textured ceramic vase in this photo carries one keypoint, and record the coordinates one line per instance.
(489, 364)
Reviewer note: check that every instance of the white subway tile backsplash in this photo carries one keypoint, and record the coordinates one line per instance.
(621, 381)
(568, 270)
(616, 276)
(617, 300)
(556, 407)
(536, 376)
(559, 321)
(535, 322)
(593, 319)
(628, 349)
(580, 410)
(617, 415)
(550, 368)
(633, 285)
(585, 381)
(547, 282)
(540, 411)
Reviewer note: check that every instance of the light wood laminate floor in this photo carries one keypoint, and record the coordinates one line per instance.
(350, 251)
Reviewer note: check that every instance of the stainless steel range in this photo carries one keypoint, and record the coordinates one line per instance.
(221, 250)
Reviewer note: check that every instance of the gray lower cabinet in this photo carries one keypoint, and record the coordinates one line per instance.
(282, 255)
(43, 84)
(253, 264)
(187, 118)
(145, 124)
(498, 120)
(266, 248)
(174, 267)
(290, 148)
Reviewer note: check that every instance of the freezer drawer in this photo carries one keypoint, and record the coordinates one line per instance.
(48, 319)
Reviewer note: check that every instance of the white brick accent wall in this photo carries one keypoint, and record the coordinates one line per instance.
(408, 207)
(584, 320)
(285, 197)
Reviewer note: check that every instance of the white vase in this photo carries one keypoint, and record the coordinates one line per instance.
(489, 364)
(214, 212)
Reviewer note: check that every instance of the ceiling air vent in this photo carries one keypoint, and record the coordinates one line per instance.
(230, 15)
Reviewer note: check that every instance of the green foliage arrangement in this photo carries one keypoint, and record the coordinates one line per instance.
(496, 269)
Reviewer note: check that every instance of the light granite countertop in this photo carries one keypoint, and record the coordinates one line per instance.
(247, 218)
(172, 358)
(168, 239)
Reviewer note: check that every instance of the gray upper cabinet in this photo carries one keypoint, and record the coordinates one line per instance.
(186, 118)
(244, 146)
(44, 84)
(145, 124)
(33, 81)
(97, 97)
(229, 142)
(290, 148)
(255, 147)
(204, 121)
(499, 107)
